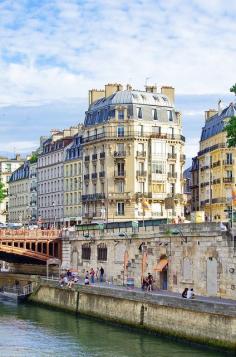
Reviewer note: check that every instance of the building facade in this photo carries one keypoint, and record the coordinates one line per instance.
(7, 166)
(73, 182)
(215, 166)
(50, 171)
(23, 194)
(133, 155)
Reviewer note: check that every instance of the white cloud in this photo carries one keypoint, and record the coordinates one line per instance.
(61, 48)
(19, 146)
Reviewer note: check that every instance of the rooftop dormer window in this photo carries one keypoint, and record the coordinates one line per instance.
(139, 112)
(154, 114)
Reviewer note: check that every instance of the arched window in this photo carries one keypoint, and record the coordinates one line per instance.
(86, 251)
(102, 252)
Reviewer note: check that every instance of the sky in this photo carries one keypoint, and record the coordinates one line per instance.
(53, 51)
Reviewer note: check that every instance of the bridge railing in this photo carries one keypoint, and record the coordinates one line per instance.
(26, 233)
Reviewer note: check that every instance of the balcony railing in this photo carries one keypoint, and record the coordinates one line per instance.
(172, 156)
(172, 175)
(204, 184)
(94, 157)
(228, 179)
(119, 174)
(141, 153)
(86, 177)
(216, 181)
(228, 162)
(131, 135)
(119, 195)
(216, 163)
(102, 174)
(102, 155)
(219, 200)
(119, 154)
(94, 175)
(93, 197)
(141, 173)
(86, 158)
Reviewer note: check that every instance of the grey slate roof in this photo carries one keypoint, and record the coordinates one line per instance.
(216, 123)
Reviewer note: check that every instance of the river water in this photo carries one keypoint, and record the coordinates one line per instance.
(28, 330)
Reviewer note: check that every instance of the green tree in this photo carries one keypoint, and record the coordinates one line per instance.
(2, 192)
(233, 89)
(33, 159)
(230, 129)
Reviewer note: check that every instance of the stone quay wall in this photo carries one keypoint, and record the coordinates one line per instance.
(200, 256)
(211, 323)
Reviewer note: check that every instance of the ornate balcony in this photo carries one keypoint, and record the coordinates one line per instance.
(228, 179)
(141, 173)
(141, 154)
(172, 156)
(118, 174)
(119, 154)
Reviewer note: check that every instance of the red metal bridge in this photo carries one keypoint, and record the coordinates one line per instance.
(29, 246)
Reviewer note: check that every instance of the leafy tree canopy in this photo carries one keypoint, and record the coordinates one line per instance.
(230, 129)
(33, 159)
(2, 192)
(233, 89)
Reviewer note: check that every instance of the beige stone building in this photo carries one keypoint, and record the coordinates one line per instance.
(215, 167)
(133, 155)
(73, 182)
(51, 177)
(23, 194)
(7, 166)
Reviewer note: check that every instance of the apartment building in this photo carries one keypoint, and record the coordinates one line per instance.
(7, 166)
(133, 155)
(215, 166)
(51, 177)
(23, 194)
(73, 182)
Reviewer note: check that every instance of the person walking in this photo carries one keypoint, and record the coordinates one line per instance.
(92, 273)
(101, 274)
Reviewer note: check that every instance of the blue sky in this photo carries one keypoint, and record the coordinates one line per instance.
(53, 51)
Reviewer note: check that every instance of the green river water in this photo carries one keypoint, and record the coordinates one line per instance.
(28, 330)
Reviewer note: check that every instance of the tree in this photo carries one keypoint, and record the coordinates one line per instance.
(33, 159)
(3, 193)
(233, 89)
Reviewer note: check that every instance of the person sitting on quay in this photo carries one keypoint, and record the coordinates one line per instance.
(86, 279)
(190, 294)
(184, 293)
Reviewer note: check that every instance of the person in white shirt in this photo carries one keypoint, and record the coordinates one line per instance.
(190, 294)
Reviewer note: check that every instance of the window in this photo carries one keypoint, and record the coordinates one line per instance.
(120, 186)
(120, 147)
(229, 160)
(158, 167)
(141, 187)
(120, 168)
(154, 114)
(120, 131)
(102, 252)
(170, 115)
(139, 112)
(229, 174)
(156, 130)
(86, 251)
(120, 114)
(172, 188)
(120, 208)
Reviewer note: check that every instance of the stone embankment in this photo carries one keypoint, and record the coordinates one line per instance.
(206, 322)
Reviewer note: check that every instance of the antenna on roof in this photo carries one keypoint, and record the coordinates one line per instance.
(146, 81)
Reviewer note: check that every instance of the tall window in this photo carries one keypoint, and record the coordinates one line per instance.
(158, 167)
(170, 115)
(120, 168)
(120, 131)
(86, 251)
(120, 114)
(120, 208)
(154, 114)
(120, 186)
(229, 160)
(102, 252)
(139, 112)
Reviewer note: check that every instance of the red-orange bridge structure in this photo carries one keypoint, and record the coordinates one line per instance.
(29, 246)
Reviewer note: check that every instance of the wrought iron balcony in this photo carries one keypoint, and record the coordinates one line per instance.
(119, 174)
(102, 174)
(141, 173)
(119, 154)
(228, 179)
(141, 153)
(228, 162)
(172, 156)
(172, 175)
(93, 197)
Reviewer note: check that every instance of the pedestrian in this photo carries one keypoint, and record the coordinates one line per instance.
(190, 294)
(86, 280)
(150, 282)
(184, 293)
(92, 273)
(101, 274)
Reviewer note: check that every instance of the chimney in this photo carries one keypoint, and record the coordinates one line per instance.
(209, 113)
(128, 87)
(220, 106)
(151, 89)
(111, 88)
(95, 94)
(169, 92)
